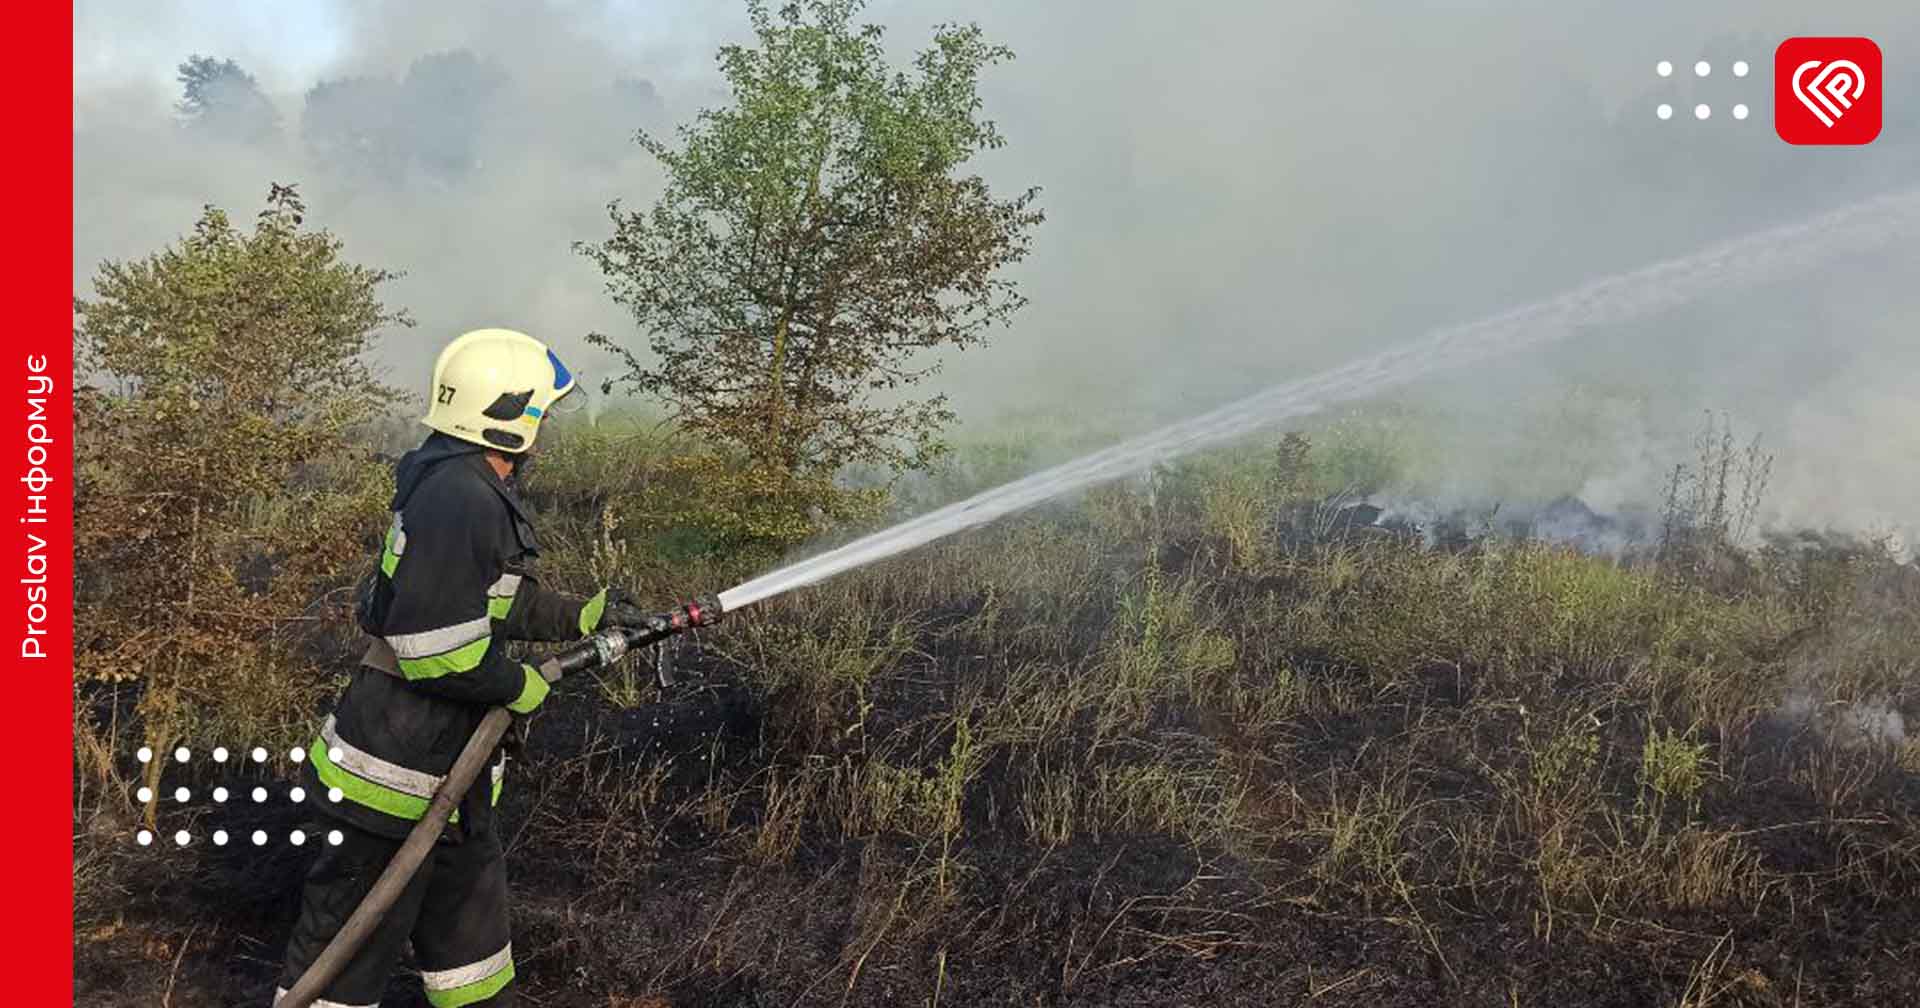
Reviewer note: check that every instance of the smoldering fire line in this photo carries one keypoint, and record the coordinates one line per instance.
(36, 479)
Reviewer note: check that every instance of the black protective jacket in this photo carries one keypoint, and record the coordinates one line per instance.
(454, 583)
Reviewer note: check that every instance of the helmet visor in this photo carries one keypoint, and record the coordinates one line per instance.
(568, 395)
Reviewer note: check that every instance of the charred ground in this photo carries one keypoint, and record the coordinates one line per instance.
(1208, 738)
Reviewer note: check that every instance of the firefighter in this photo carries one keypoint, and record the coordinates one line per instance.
(453, 583)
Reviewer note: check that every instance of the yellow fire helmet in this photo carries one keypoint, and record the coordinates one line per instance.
(492, 387)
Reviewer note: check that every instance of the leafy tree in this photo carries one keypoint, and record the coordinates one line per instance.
(222, 480)
(449, 97)
(221, 100)
(814, 238)
(353, 127)
(430, 122)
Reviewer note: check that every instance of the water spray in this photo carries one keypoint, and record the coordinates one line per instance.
(1612, 300)
(1622, 297)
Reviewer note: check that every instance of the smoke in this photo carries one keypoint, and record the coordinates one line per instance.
(467, 146)
(1239, 193)
(1866, 722)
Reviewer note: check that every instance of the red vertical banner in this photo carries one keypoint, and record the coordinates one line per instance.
(36, 380)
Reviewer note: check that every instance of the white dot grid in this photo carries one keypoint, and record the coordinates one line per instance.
(220, 837)
(221, 754)
(1701, 68)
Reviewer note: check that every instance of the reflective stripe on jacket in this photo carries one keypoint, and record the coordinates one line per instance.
(453, 584)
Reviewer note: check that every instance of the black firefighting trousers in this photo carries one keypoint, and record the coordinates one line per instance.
(454, 911)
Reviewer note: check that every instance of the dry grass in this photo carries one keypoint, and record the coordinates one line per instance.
(1435, 740)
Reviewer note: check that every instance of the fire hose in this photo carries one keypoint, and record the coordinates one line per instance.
(598, 650)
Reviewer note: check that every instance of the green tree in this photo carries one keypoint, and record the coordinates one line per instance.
(353, 129)
(220, 99)
(450, 98)
(222, 479)
(815, 238)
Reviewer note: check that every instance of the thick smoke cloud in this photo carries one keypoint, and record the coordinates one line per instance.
(1238, 193)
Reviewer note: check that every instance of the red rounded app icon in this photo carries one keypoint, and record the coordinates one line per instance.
(1826, 90)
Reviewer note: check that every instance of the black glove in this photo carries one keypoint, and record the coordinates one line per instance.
(620, 611)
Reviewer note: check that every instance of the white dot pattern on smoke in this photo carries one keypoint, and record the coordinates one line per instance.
(220, 754)
(182, 838)
(296, 754)
(145, 755)
(145, 794)
(181, 795)
(298, 794)
(219, 794)
(259, 794)
(259, 838)
(1702, 112)
(259, 755)
(335, 794)
(297, 838)
(335, 837)
(335, 755)
(181, 755)
(219, 838)
(143, 838)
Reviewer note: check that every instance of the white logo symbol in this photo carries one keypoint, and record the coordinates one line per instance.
(1832, 91)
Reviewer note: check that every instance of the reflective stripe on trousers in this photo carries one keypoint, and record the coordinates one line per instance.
(476, 981)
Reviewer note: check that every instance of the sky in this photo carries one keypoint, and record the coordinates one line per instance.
(1238, 193)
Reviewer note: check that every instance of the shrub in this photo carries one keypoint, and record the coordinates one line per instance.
(225, 474)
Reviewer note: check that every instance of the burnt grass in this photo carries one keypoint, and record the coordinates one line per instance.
(1129, 755)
